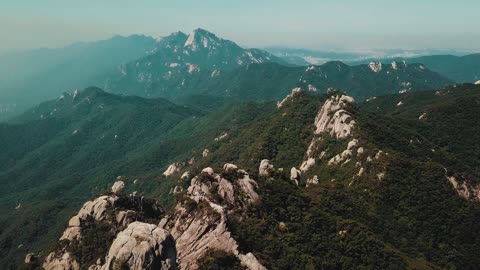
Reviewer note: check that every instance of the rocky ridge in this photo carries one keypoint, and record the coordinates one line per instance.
(199, 223)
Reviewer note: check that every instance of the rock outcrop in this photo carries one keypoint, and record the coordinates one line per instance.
(230, 167)
(295, 175)
(468, 191)
(197, 225)
(60, 261)
(307, 164)
(221, 137)
(377, 66)
(118, 187)
(333, 119)
(31, 261)
(96, 209)
(114, 210)
(264, 168)
(199, 222)
(345, 156)
(142, 246)
(312, 181)
(173, 168)
(295, 92)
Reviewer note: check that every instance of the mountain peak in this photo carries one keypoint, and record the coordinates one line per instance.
(201, 38)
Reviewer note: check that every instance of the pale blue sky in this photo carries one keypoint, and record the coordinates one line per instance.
(320, 24)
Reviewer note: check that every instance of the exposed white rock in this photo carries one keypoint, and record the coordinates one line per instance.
(173, 168)
(248, 186)
(250, 262)
(196, 232)
(31, 260)
(381, 176)
(375, 66)
(75, 93)
(399, 103)
(295, 92)
(423, 116)
(18, 206)
(394, 65)
(295, 175)
(333, 119)
(205, 153)
(221, 137)
(379, 154)
(215, 73)
(192, 68)
(97, 208)
(64, 261)
(102, 209)
(185, 175)
(352, 144)
(361, 171)
(307, 164)
(142, 246)
(208, 171)
(312, 181)
(360, 151)
(230, 167)
(177, 189)
(342, 157)
(477, 82)
(345, 156)
(118, 187)
(265, 166)
(464, 189)
(74, 221)
(226, 190)
(312, 88)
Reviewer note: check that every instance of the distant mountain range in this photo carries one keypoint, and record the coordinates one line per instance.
(42, 74)
(457, 68)
(179, 65)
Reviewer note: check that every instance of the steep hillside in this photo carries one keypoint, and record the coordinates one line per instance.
(62, 151)
(447, 117)
(317, 182)
(370, 187)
